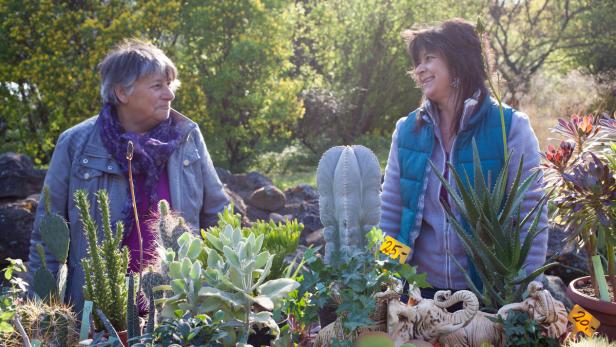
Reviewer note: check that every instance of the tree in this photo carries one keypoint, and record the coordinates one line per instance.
(236, 60)
(524, 34)
(48, 56)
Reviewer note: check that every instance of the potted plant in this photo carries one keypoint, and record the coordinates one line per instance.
(582, 173)
(106, 264)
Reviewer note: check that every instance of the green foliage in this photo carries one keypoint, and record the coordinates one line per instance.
(521, 330)
(229, 285)
(236, 59)
(189, 331)
(10, 295)
(352, 283)
(49, 52)
(496, 226)
(280, 239)
(106, 265)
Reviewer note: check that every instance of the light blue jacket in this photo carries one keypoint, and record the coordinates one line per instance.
(81, 161)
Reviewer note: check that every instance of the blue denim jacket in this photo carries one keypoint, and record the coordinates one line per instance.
(81, 161)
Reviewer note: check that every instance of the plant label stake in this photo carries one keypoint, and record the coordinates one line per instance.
(395, 249)
(85, 320)
(130, 149)
(583, 321)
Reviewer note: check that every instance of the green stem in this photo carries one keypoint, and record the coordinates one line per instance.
(611, 269)
(604, 295)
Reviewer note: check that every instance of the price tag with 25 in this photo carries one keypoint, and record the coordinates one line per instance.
(395, 249)
(583, 321)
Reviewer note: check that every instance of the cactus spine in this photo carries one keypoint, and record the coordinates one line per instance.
(106, 265)
(170, 226)
(132, 312)
(53, 324)
(349, 182)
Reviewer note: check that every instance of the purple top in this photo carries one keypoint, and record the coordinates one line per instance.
(147, 213)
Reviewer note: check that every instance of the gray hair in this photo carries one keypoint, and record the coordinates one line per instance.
(129, 61)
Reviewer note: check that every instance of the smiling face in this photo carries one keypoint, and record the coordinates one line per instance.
(146, 104)
(432, 75)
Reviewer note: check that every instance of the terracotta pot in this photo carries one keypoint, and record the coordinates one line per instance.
(605, 312)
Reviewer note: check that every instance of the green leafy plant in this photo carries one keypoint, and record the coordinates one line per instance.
(353, 283)
(279, 239)
(495, 224)
(200, 330)
(10, 295)
(233, 282)
(106, 264)
(520, 329)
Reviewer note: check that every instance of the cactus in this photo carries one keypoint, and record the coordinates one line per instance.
(153, 279)
(149, 328)
(132, 312)
(349, 182)
(170, 226)
(53, 324)
(56, 238)
(106, 265)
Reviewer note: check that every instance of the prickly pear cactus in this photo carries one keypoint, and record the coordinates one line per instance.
(349, 183)
(56, 238)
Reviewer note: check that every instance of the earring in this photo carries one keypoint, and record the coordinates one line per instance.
(455, 83)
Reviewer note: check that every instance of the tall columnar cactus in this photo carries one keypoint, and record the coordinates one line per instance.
(56, 237)
(132, 312)
(106, 265)
(349, 181)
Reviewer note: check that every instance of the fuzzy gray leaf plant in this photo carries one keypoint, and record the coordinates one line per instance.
(349, 184)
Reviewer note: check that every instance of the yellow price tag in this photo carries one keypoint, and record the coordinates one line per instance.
(395, 249)
(583, 321)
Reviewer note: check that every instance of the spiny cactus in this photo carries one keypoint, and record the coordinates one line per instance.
(132, 312)
(170, 226)
(56, 237)
(106, 265)
(53, 324)
(349, 182)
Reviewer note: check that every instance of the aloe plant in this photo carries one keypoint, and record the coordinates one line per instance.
(233, 281)
(349, 183)
(493, 242)
(106, 264)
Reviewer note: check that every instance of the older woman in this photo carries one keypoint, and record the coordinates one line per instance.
(170, 159)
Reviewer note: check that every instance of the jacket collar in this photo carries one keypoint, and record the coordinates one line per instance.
(470, 115)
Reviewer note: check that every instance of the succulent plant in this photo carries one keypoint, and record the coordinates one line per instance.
(229, 286)
(170, 226)
(52, 323)
(349, 182)
(106, 265)
(56, 238)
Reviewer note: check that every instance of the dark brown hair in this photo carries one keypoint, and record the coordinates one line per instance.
(458, 43)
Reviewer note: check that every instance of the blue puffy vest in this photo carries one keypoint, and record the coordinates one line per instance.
(415, 145)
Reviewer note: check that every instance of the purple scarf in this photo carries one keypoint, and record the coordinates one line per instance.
(152, 150)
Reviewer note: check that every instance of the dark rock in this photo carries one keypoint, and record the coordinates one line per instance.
(314, 238)
(237, 201)
(16, 220)
(557, 288)
(18, 178)
(225, 176)
(268, 198)
(246, 183)
(301, 193)
(278, 218)
(255, 213)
